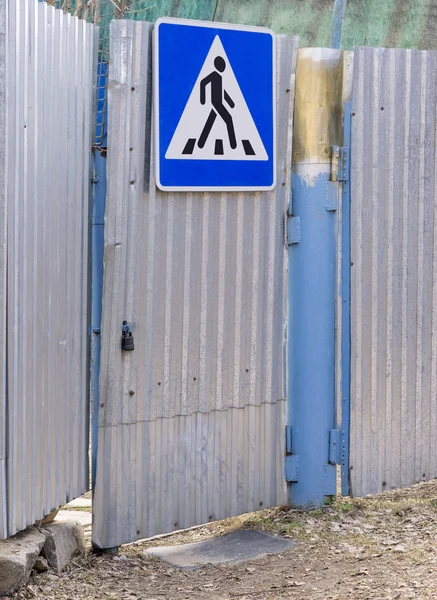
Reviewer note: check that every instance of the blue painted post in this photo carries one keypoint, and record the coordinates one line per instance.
(337, 23)
(98, 216)
(312, 277)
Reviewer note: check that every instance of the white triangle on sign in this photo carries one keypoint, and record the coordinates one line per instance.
(218, 118)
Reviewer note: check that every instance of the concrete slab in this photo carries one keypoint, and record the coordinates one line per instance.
(237, 546)
(83, 517)
(80, 503)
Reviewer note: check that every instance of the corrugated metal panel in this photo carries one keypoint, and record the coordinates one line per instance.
(49, 136)
(192, 422)
(3, 154)
(394, 272)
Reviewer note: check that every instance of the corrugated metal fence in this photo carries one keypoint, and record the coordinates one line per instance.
(394, 269)
(46, 159)
(192, 422)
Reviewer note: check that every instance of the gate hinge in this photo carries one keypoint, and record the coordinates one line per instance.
(334, 447)
(340, 158)
(293, 230)
(339, 174)
(291, 469)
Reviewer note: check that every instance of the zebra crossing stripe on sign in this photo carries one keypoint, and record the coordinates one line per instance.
(216, 123)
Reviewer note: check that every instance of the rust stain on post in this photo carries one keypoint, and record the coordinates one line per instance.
(318, 104)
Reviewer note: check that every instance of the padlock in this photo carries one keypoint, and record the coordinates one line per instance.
(127, 338)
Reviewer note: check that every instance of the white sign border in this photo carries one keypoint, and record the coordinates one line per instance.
(210, 25)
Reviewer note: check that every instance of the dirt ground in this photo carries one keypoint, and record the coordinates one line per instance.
(379, 547)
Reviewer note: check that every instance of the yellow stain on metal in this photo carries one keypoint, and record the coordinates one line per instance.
(318, 107)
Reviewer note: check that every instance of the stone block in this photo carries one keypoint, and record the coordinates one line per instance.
(18, 555)
(64, 541)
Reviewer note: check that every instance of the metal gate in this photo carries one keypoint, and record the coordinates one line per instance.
(191, 425)
(47, 68)
(394, 270)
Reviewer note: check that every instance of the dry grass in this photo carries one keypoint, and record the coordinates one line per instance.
(380, 547)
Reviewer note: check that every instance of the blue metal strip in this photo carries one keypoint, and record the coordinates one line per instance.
(330, 484)
(334, 447)
(346, 306)
(337, 23)
(98, 241)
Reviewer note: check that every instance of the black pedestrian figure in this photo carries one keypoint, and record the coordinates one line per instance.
(217, 95)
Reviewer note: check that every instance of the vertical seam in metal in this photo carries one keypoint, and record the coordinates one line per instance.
(346, 310)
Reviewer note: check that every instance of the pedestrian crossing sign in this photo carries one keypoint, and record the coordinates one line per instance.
(214, 106)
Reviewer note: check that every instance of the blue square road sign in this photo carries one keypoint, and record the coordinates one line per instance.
(214, 106)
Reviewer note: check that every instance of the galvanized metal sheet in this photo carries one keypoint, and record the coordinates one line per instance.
(191, 424)
(394, 269)
(3, 103)
(51, 72)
